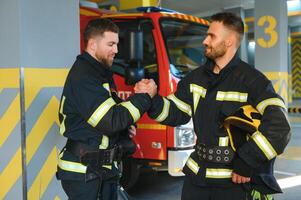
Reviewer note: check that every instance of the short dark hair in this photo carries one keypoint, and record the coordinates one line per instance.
(231, 21)
(98, 27)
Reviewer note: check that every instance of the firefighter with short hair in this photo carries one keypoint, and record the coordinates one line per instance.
(217, 170)
(94, 120)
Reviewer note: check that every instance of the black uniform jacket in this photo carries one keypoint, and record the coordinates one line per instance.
(91, 113)
(209, 98)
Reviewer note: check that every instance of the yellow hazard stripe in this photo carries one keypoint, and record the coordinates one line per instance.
(101, 111)
(122, 15)
(265, 146)
(269, 102)
(151, 126)
(186, 17)
(165, 111)
(180, 104)
(231, 96)
(135, 113)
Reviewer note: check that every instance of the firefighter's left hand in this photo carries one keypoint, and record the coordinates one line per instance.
(132, 131)
(236, 178)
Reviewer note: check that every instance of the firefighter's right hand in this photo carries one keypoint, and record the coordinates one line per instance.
(236, 178)
(146, 86)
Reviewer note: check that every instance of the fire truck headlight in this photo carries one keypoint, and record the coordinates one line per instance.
(184, 137)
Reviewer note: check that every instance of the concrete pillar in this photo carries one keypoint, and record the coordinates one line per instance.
(39, 42)
(271, 36)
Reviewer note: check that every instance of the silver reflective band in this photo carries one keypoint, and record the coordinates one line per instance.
(192, 165)
(197, 92)
(269, 102)
(107, 87)
(223, 141)
(71, 166)
(132, 109)
(218, 173)
(164, 113)
(101, 111)
(104, 142)
(180, 104)
(231, 96)
(264, 145)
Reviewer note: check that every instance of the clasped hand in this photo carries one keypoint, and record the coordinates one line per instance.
(146, 86)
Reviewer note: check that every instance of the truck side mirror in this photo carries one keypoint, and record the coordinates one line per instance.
(134, 56)
(134, 46)
(133, 75)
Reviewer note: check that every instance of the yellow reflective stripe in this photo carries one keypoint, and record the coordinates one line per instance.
(71, 166)
(223, 141)
(104, 142)
(192, 165)
(132, 109)
(264, 145)
(218, 173)
(107, 87)
(231, 96)
(101, 111)
(269, 102)
(164, 112)
(197, 91)
(62, 125)
(180, 104)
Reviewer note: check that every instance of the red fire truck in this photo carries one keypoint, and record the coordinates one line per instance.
(163, 45)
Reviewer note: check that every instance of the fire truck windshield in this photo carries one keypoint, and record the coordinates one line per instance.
(183, 42)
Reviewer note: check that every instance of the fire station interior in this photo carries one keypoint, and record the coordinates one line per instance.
(41, 39)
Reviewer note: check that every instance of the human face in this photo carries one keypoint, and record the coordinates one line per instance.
(106, 48)
(215, 42)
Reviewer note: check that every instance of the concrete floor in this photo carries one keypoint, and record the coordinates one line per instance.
(161, 186)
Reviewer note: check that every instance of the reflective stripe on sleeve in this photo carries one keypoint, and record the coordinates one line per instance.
(100, 112)
(265, 146)
(218, 173)
(231, 96)
(132, 109)
(269, 102)
(165, 110)
(193, 166)
(180, 104)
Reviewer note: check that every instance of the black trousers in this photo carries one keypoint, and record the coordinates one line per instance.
(80, 190)
(191, 191)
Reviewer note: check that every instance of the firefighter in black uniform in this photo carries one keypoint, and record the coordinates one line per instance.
(209, 95)
(94, 119)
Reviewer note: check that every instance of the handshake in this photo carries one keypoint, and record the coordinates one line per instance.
(146, 86)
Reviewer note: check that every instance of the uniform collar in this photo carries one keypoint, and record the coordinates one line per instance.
(229, 67)
(97, 66)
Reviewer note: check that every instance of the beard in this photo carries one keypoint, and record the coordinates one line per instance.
(106, 61)
(215, 52)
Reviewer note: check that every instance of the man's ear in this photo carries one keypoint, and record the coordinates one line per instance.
(92, 45)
